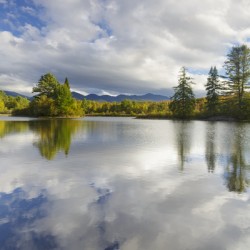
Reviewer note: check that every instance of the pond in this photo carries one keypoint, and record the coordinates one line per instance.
(123, 183)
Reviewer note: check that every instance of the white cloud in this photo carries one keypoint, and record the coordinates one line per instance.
(123, 46)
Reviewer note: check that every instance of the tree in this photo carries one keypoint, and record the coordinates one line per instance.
(2, 106)
(54, 99)
(212, 87)
(3, 98)
(47, 85)
(237, 67)
(42, 106)
(183, 101)
(64, 98)
(66, 82)
(18, 102)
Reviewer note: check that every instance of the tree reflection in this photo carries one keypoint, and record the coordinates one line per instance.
(210, 147)
(54, 135)
(183, 141)
(10, 127)
(236, 170)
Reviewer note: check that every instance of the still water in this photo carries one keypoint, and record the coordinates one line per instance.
(121, 183)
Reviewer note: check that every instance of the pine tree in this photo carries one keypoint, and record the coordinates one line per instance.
(183, 101)
(237, 67)
(66, 82)
(64, 99)
(213, 90)
(47, 85)
(54, 99)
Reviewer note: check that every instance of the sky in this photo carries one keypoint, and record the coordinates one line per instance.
(117, 46)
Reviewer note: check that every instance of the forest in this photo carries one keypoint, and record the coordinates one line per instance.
(226, 97)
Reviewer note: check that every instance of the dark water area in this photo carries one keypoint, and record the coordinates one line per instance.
(122, 183)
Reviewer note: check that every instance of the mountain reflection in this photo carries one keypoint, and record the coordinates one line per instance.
(236, 169)
(54, 135)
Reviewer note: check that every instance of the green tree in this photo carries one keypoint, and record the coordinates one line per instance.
(54, 99)
(3, 96)
(66, 82)
(43, 106)
(3, 99)
(63, 98)
(237, 67)
(47, 85)
(18, 102)
(22, 102)
(2, 106)
(183, 101)
(212, 87)
(126, 106)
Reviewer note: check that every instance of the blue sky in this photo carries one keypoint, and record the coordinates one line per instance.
(111, 46)
(16, 14)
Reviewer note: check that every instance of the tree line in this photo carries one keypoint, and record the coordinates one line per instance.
(226, 96)
(8, 104)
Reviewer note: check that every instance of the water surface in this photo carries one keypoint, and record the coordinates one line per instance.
(121, 183)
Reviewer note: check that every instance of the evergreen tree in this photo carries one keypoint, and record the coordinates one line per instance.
(66, 82)
(212, 87)
(237, 67)
(47, 85)
(54, 99)
(64, 99)
(183, 101)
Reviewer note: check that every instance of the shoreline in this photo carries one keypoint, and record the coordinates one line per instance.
(209, 119)
(144, 117)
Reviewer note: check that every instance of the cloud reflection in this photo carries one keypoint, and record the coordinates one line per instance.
(126, 192)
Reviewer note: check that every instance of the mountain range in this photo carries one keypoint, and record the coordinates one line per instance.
(15, 94)
(119, 98)
(106, 98)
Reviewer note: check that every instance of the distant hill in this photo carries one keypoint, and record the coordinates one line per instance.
(15, 94)
(105, 98)
(119, 98)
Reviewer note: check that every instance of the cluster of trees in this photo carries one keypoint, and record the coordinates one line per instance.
(141, 109)
(10, 103)
(55, 99)
(125, 108)
(222, 91)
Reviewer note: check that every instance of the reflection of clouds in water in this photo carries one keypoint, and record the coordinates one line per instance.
(17, 211)
(138, 213)
(91, 202)
(14, 142)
